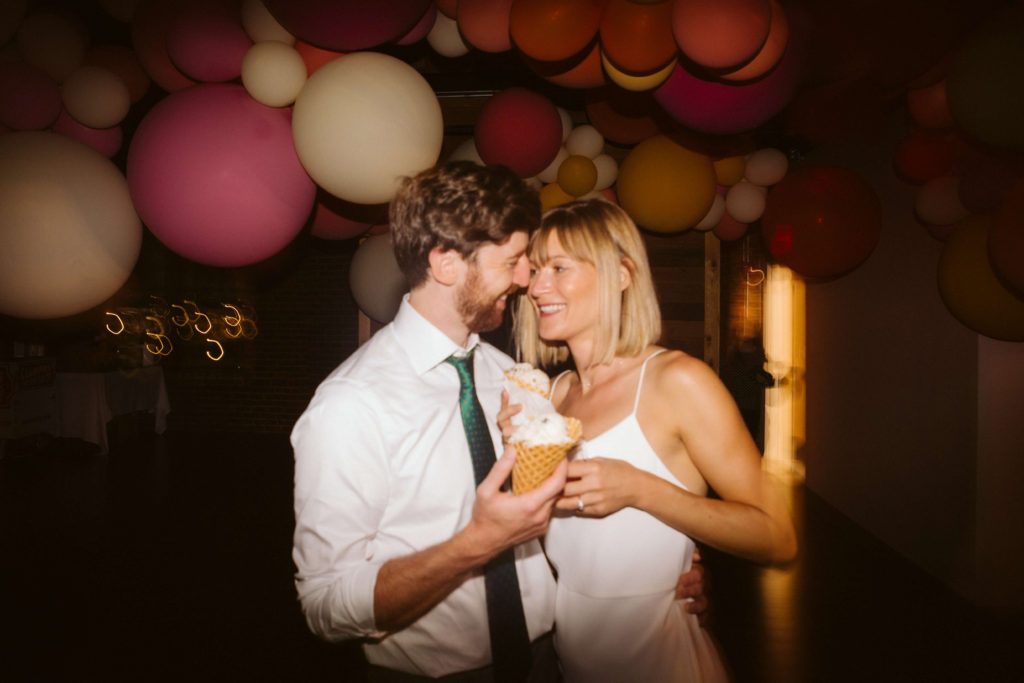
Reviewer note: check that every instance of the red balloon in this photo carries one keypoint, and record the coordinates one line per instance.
(553, 30)
(29, 98)
(1006, 241)
(348, 25)
(821, 221)
(520, 129)
(924, 155)
(106, 141)
(208, 43)
(150, 24)
(637, 38)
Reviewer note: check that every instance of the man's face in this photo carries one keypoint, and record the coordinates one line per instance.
(499, 270)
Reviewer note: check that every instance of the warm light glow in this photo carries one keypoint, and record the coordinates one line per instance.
(118, 319)
(220, 350)
(784, 343)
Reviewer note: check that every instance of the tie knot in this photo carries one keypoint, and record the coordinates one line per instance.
(464, 366)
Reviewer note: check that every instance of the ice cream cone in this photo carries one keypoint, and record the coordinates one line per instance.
(534, 464)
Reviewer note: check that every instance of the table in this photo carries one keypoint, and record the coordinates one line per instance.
(87, 401)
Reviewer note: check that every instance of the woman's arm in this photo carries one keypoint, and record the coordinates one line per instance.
(685, 404)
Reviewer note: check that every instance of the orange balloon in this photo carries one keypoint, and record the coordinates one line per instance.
(665, 187)
(730, 170)
(149, 38)
(577, 175)
(449, 8)
(721, 34)
(1006, 241)
(581, 73)
(637, 38)
(969, 287)
(553, 30)
(771, 51)
(484, 24)
(314, 57)
(553, 195)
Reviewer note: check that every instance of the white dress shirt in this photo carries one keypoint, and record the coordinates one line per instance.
(382, 470)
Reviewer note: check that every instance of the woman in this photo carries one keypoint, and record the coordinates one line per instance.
(659, 430)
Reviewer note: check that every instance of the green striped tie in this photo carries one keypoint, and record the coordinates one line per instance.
(510, 642)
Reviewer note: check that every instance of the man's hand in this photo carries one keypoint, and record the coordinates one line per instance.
(691, 587)
(500, 519)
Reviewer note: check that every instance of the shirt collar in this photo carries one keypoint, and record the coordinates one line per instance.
(425, 344)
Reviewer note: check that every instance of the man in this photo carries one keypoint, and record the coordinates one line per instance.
(392, 531)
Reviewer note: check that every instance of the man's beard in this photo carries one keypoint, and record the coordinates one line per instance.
(478, 313)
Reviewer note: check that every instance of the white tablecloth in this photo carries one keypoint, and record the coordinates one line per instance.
(87, 401)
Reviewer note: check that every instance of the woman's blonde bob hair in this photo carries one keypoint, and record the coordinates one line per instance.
(600, 233)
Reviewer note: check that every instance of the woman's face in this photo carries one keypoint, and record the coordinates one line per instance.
(564, 293)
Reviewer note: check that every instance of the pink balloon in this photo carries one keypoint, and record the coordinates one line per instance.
(519, 128)
(29, 98)
(214, 175)
(348, 25)
(208, 44)
(421, 29)
(725, 108)
(106, 141)
(149, 39)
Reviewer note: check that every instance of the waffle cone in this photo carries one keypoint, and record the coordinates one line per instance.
(534, 464)
(524, 385)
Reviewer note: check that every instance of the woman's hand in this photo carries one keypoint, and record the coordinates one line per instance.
(602, 485)
(505, 416)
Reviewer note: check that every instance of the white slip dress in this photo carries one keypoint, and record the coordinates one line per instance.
(616, 616)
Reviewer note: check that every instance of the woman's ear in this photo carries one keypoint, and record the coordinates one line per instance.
(626, 268)
(444, 265)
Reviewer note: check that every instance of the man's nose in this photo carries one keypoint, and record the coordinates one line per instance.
(521, 276)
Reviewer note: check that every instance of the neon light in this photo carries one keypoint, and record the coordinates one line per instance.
(219, 348)
(115, 315)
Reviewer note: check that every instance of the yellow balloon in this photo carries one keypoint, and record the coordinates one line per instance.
(665, 187)
(730, 170)
(638, 83)
(577, 175)
(552, 195)
(970, 288)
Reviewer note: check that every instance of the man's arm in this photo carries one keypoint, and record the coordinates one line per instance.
(408, 587)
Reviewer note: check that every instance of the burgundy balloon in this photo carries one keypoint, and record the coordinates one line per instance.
(348, 25)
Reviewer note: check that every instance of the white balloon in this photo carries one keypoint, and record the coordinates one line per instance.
(586, 141)
(550, 172)
(362, 122)
(96, 97)
(766, 167)
(713, 215)
(938, 202)
(376, 282)
(261, 25)
(273, 73)
(607, 171)
(69, 234)
(566, 122)
(445, 38)
(745, 201)
(466, 151)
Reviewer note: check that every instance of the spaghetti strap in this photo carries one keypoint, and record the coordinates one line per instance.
(551, 390)
(640, 381)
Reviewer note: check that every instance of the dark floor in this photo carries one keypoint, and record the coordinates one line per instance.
(169, 559)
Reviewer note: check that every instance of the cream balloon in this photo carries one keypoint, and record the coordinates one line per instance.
(96, 97)
(273, 73)
(375, 280)
(745, 201)
(69, 234)
(550, 172)
(445, 38)
(261, 25)
(607, 171)
(766, 167)
(566, 117)
(713, 216)
(466, 151)
(53, 43)
(362, 122)
(585, 140)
